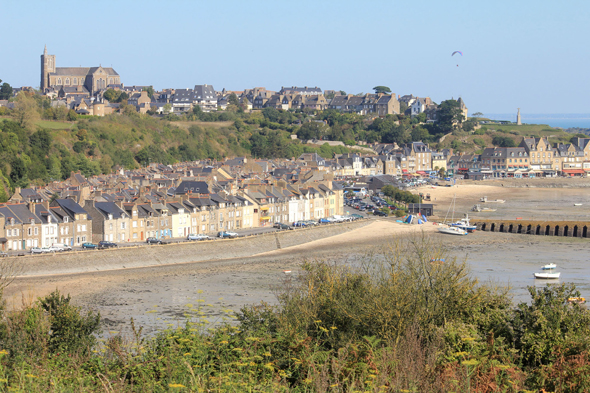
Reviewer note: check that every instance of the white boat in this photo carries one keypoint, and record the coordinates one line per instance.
(485, 200)
(577, 204)
(549, 266)
(547, 276)
(464, 224)
(452, 231)
(479, 209)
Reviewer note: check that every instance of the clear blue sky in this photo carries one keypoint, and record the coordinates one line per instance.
(528, 54)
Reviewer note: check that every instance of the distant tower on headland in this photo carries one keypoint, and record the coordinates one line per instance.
(518, 123)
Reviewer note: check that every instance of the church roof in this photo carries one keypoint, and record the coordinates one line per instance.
(81, 71)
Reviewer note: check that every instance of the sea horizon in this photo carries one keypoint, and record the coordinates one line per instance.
(562, 120)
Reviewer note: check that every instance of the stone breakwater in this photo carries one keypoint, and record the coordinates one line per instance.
(178, 253)
(544, 182)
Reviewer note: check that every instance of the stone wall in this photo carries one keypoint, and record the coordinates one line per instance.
(185, 252)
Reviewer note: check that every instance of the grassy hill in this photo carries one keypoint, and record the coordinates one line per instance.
(475, 141)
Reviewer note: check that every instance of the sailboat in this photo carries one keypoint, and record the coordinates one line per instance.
(452, 230)
(464, 224)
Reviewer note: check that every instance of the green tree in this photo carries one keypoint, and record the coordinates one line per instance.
(72, 116)
(70, 331)
(503, 141)
(26, 110)
(477, 114)
(449, 115)
(5, 91)
(233, 99)
(312, 130)
(382, 89)
(150, 91)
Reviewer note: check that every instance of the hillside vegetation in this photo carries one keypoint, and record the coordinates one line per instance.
(40, 144)
(496, 135)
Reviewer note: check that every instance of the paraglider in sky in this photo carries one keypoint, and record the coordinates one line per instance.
(459, 52)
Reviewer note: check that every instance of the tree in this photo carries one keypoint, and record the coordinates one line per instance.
(382, 89)
(150, 91)
(311, 130)
(503, 141)
(26, 110)
(5, 91)
(449, 115)
(478, 114)
(233, 99)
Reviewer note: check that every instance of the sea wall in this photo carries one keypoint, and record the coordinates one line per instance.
(154, 255)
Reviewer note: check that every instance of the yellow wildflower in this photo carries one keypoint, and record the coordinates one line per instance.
(176, 385)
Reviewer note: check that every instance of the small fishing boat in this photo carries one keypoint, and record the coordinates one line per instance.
(464, 224)
(549, 266)
(452, 231)
(577, 204)
(485, 200)
(547, 276)
(479, 209)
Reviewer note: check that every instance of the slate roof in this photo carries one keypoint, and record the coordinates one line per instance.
(188, 187)
(81, 71)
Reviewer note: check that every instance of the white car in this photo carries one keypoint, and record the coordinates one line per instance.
(60, 247)
(41, 250)
(194, 236)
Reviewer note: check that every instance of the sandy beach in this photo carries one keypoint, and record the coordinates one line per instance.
(156, 296)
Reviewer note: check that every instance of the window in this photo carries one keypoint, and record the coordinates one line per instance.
(134, 224)
(67, 81)
(30, 231)
(123, 225)
(111, 226)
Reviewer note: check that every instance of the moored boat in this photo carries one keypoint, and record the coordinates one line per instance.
(547, 276)
(452, 231)
(464, 224)
(549, 266)
(479, 209)
(485, 200)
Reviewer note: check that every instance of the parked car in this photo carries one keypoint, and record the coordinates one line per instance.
(324, 221)
(41, 250)
(90, 246)
(105, 244)
(224, 234)
(153, 240)
(379, 213)
(299, 224)
(280, 225)
(61, 247)
(195, 236)
(3, 254)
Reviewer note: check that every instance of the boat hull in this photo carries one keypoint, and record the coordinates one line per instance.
(547, 276)
(452, 231)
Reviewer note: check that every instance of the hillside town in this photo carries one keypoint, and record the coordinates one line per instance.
(206, 196)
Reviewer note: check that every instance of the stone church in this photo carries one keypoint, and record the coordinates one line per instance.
(81, 79)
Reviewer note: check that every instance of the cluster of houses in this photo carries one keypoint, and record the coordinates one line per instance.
(166, 202)
(534, 157)
(178, 101)
(206, 197)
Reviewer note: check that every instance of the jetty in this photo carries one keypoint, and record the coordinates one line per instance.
(536, 227)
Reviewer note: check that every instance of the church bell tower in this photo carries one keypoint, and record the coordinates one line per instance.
(47, 66)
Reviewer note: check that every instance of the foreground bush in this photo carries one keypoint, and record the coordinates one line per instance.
(408, 318)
